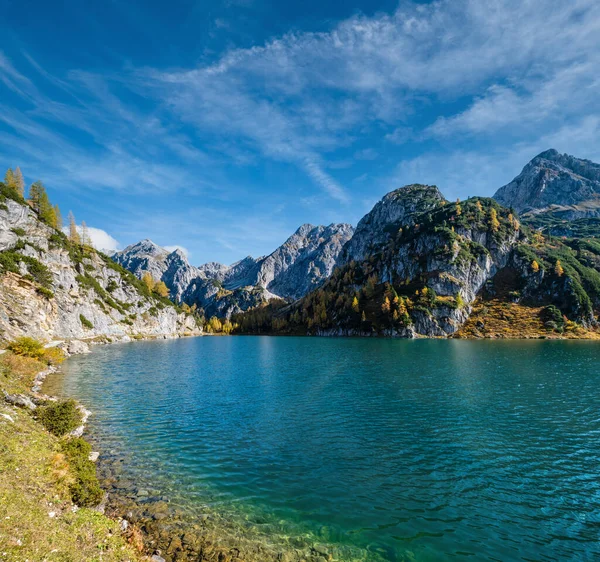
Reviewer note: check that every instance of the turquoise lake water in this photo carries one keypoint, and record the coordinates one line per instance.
(424, 450)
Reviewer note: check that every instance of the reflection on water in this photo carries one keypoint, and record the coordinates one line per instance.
(433, 449)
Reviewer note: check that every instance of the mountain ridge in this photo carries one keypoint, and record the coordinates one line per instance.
(302, 262)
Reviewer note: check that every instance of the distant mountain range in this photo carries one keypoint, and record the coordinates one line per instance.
(299, 265)
(413, 243)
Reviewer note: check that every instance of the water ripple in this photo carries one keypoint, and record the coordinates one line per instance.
(426, 450)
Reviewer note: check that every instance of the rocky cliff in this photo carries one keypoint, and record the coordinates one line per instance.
(50, 288)
(397, 208)
(172, 268)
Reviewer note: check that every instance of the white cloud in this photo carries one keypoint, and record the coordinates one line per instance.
(482, 87)
(100, 239)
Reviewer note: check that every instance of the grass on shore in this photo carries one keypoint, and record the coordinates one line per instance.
(38, 520)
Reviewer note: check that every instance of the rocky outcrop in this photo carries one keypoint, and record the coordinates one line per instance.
(52, 290)
(398, 208)
(428, 269)
(556, 183)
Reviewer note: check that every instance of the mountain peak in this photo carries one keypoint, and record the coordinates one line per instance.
(552, 179)
(398, 207)
(550, 154)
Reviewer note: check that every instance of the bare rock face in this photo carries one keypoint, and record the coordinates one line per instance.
(82, 296)
(398, 208)
(555, 182)
(304, 261)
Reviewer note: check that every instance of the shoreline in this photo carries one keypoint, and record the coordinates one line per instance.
(171, 533)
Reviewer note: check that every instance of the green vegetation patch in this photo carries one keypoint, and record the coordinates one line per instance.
(38, 272)
(85, 322)
(38, 475)
(85, 490)
(61, 417)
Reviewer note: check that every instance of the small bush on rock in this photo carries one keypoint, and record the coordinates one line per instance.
(85, 322)
(60, 417)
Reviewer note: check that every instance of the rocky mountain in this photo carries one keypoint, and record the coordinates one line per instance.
(555, 183)
(432, 263)
(399, 207)
(171, 267)
(299, 265)
(53, 289)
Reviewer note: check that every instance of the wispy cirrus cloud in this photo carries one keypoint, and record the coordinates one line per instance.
(455, 92)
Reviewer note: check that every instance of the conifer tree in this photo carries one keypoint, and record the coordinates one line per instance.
(19, 182)
(355, 305)
(148, 281)
(161, 289)
(58, 222)
(73, 234)
(45, 210)
(35, 195)
(459, 300)
(9, 178)
(535, 266)
(85, 238)
(494, 222)
(458, 208)
(558, 269)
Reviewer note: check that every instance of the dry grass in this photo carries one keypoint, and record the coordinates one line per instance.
(17, 371)
(497, 318)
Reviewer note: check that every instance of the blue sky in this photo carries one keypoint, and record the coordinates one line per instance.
(222, 126)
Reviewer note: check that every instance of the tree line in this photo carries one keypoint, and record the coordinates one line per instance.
(39, 201)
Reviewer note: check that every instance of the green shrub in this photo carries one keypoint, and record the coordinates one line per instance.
(28, 347)
(38, 272)
(85, 491)
(45, 292)
(60, 417)
(19, 231)
(553, 318)
(85, 322)
(58, 240)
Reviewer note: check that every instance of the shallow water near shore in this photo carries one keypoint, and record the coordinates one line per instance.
(385, 449)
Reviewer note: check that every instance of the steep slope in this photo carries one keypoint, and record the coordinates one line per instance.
(560, 184)
(303, 261)
(424, 276)
(50, 288)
